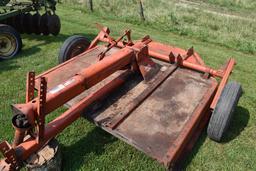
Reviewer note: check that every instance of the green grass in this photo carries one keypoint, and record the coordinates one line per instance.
(199, 21)
(233, 4)
(86, 147)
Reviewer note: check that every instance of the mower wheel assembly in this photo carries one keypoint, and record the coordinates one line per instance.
(223, 111)
(72, 47)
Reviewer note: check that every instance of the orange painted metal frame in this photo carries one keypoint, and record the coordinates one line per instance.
(128, 59)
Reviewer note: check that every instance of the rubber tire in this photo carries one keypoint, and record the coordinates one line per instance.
(70, 44)
(10, 30)
(27, 23)
(54, 24)
(223, 112)
(36, 18)
(44, 24)
(19, 19)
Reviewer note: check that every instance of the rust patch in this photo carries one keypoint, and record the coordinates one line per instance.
(161, 117)
(156, 123)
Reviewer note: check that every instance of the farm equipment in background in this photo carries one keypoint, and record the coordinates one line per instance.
(20, 16)
(157, 98)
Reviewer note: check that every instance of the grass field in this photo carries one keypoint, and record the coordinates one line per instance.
(86, 147)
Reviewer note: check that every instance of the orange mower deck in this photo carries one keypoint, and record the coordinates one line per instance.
(155, 97)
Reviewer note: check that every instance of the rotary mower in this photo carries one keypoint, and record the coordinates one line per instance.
(17, 17)
(157, 98)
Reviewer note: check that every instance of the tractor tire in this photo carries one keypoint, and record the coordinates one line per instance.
(72, 47)
(27, 23)
(54, 24)
(36, 18)
(10, 42)
(223, 112)
(44, 24)
(9, 21)
(19, 19)
(12, 22)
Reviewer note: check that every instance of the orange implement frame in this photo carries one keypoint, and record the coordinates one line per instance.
(138, 57)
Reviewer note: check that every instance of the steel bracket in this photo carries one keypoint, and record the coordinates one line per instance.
(30, 86)
(41, 108)
(10, 155)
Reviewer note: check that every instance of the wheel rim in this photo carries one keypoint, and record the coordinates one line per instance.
(7, 45)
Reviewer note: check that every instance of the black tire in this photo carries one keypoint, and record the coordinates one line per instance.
(27, 23)
(36, 18)
(223, 112)
(54, 24)
(72, 47)
(9, 21)
(10, 41)
(19, 19)
(12, 21)
(44, 24)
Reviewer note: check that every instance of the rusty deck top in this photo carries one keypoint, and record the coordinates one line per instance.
(157, 122)
(156, 118)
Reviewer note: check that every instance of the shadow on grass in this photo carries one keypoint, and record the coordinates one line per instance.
(59, 38)
(6, 65)
(44, 40)
(74, 156)
(10, 64)
(238, 123)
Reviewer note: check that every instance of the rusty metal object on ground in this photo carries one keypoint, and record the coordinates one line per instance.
(156, 97)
